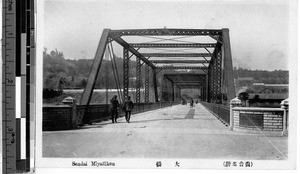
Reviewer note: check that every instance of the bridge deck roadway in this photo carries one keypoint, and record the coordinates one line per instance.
(173, 132)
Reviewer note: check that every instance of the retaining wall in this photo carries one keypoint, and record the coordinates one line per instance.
(267, 121)
(57, 117)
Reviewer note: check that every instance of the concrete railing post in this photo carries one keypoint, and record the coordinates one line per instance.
(285, 105)
(233, 103)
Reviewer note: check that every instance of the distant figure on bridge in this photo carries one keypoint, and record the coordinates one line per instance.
(192, 103)
(114, 109)
(127, 107)
(183, 101)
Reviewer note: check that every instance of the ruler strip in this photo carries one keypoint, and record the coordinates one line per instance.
(8, 87)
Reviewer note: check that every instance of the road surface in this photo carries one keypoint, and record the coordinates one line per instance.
(174, 132)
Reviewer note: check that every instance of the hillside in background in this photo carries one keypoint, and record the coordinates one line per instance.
(263, 76)
(60, 73)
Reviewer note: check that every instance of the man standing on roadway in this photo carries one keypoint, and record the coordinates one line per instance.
(114, 109)
(127, 107)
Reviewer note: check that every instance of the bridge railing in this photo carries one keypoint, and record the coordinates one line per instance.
(64, 117)
(220, 111)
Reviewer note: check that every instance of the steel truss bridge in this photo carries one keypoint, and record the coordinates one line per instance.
(210, 70)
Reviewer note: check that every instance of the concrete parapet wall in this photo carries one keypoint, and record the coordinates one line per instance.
(65, 117)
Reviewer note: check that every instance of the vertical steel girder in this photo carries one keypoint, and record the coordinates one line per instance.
(138, 80)
(203, 96)
(220, 85)
(88, 90)
(210, 82)
(164, 89)
(207, 86)
(204, 86)
(214, 75)
(147, 75)
(155, 85)
(218, 77)
(178, 93)
(173, 91)
(167, 89)
(125, 72)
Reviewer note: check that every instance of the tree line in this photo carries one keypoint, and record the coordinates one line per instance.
(61, 73)
(263, 76)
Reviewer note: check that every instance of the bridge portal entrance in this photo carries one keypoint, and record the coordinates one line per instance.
(169, 60)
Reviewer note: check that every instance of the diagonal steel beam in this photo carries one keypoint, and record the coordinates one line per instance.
(173, 45)
(88, 90)
(176, 54)
(131, 49)
(217, 38)
(169, 79)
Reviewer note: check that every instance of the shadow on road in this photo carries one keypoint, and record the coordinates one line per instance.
(190, 114)
(144, 121)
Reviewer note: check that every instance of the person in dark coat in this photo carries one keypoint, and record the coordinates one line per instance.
(192, 103)
(114, 109)
(127, 107)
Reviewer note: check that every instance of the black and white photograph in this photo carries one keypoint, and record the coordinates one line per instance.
(166, 84)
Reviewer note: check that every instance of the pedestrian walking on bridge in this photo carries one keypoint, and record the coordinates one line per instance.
(192, 103)
(127, 107)
(114, 108)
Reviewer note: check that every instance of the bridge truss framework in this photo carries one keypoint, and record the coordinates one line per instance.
(215, 83)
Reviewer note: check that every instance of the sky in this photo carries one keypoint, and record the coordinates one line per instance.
(259, 30)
